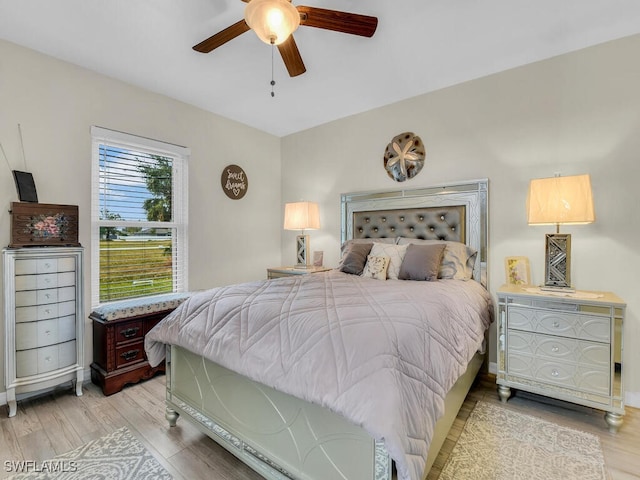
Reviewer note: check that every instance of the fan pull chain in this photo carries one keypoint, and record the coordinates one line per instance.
(273, 82)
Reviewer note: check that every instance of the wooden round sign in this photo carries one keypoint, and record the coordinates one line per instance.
(234, 182)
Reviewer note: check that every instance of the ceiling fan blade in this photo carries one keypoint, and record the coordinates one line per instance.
(337, 21)
(291, 57)
(222, 37)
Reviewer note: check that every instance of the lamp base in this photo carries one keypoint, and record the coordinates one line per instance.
(557, 270)
(302, 251)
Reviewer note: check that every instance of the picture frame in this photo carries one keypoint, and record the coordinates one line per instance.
(517, 271)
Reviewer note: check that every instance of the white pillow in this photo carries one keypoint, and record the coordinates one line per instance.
(376, 267)
(395, 253)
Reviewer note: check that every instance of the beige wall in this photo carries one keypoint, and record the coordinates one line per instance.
(56, 103)
(576, 113)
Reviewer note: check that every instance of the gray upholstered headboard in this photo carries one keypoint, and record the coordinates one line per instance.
(427, 223)
(457, 212)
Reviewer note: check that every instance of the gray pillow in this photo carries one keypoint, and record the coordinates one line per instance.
(355, 258)
(458, 259)
(422, 262)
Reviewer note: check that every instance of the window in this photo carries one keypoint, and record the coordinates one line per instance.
(138, 217)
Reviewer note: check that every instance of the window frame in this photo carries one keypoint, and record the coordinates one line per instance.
(180, 156)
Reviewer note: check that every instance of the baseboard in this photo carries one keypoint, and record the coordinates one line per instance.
(632, 399)
(493, 368)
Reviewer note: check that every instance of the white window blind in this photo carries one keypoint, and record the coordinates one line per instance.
(139, 217)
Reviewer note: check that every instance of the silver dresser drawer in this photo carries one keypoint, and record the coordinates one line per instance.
(45, 359)
(587, 378)
(44, 312)
(565, 324)
(45, 280)
(559, 348)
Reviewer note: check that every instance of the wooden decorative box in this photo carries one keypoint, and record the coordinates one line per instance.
(43, 225)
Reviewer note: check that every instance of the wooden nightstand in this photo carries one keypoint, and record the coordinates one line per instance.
(119, 329)
(565, 346)
(288, 271)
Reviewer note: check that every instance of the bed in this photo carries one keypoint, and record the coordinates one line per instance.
(329, 375)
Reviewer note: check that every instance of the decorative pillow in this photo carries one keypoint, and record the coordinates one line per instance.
(355, 258)
(376, 267)
(458, 259)
(395, 253)
(345, 246)
(422, 262)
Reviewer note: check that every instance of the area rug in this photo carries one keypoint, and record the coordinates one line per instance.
(499, 444)
(117, 456)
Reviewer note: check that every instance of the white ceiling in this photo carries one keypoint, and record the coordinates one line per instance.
(420, 46)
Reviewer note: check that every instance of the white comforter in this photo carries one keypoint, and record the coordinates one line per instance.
(381, 353)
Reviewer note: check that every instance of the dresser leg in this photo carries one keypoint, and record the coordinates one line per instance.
(172, 416)
(11, 402)
(614, 420)
(79, 380)
(504, 393)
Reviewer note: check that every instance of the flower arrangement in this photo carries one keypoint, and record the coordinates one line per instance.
(47, 226)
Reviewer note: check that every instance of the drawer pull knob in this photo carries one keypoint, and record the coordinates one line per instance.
(555, 349)
(130, 355)
(130, 332)
(47, 311)
(554, 373)
(556, 324)
(48, 295)
(47, 280)
(47, 359)
(48, 332)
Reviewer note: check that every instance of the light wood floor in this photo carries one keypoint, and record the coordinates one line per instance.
(56, 423)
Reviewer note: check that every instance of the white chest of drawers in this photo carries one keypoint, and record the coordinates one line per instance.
(44, 319)
(565, 347)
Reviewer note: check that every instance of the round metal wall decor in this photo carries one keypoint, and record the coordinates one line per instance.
(234, 182)
(404, 156)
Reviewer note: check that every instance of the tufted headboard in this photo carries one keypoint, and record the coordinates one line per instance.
(427, 223)
(456, 212)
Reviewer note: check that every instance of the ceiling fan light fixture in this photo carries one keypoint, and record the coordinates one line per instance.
(272, 20)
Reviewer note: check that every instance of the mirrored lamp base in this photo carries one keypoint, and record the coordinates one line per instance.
(557, 270)
(302, 251)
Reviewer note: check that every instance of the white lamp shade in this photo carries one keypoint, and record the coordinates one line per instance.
(560, 200)
(301, 215)
(272, 20)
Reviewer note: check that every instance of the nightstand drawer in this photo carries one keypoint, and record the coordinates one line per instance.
(560, 323)
(586, 378)
(558, 348)
(129, 331)
(130, 354)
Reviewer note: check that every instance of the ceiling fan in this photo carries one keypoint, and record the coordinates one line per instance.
(274, 21)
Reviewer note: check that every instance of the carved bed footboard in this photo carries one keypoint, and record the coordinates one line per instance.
(279, 436)
(282, 437)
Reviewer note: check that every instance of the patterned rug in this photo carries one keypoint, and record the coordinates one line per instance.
(117, 456)
(499, 444)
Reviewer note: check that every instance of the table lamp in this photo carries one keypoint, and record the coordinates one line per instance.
(560, 201)
(302, 216)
